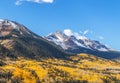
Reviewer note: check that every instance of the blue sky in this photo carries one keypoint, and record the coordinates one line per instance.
(100, 19)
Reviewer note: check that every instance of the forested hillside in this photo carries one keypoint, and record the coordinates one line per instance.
(82, 68)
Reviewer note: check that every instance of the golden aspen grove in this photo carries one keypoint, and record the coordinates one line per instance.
(82, 68)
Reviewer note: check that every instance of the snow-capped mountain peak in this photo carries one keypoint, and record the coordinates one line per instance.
(7, 26)
(73, 40)
(8, 23)
(68, 32)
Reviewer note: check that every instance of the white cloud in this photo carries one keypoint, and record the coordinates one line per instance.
(68, 32)
(101, 37)
(77, 35)
(81, 32)
(19, 2)
(85, 32)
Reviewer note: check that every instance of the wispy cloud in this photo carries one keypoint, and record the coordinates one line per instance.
(85, 32)
(101, 37)
(69, 32)
(82, 34)
(19, 2)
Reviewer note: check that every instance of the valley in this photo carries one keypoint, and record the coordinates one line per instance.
(59, 41)
(82, 68)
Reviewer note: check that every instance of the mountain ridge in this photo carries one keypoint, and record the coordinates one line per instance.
(20, 41)
(62, 37)
(74, 43)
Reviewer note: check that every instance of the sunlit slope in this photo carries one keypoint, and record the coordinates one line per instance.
(81, 68)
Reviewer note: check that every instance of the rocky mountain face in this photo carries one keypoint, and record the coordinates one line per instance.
(75, 43)
(20, 41)
(17, 40)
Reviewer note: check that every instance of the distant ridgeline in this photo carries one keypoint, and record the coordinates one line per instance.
(75, 43)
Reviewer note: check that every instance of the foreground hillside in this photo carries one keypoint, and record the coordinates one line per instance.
(82, 68)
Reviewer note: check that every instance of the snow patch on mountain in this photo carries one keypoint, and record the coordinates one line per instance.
(8, 23)
(73, 40)
(6, 26)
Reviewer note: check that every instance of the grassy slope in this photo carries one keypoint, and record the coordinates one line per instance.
(82, 68)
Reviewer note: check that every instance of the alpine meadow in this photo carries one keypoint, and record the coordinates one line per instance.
(59, 41)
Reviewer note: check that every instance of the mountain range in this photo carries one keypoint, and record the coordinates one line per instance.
(73, 42)
(60, 57)
(18, 40)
